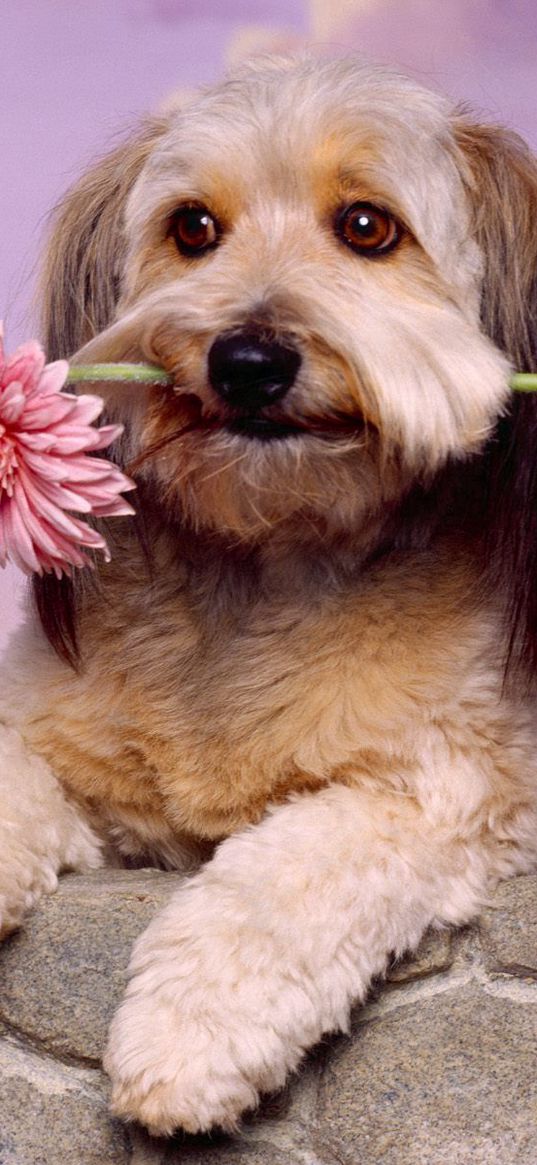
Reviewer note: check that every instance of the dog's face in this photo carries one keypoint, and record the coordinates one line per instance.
(300, 254)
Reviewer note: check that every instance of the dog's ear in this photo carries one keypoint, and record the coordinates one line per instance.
(500, 174)
(80, 286)
(81, 276)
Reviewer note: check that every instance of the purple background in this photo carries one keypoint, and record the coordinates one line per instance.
(74, 74)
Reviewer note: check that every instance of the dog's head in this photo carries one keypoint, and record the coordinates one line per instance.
(337, 268)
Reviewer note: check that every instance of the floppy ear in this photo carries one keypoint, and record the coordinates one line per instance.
(500, 174)
(80, 286)
(81, 277)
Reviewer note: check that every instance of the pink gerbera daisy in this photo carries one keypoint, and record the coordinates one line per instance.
(45, 436)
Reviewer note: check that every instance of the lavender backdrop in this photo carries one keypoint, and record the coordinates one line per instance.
(75, 73)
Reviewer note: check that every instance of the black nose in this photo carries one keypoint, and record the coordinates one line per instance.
(249, 372)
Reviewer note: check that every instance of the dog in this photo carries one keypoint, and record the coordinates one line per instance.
(307, 676)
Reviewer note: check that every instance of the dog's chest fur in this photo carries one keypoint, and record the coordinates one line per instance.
(183, 723)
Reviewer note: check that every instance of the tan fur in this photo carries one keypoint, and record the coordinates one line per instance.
(307, 663)
(352, 690)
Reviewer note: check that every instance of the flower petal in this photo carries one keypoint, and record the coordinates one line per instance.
(26, 364)
(19, 546)
(49, 470)
(53, 377)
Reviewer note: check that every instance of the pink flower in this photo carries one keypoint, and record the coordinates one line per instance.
(45, 436)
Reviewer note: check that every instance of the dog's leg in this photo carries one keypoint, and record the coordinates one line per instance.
(40, 832)
(272, 942)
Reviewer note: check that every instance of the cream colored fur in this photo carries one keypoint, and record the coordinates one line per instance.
(328, 737)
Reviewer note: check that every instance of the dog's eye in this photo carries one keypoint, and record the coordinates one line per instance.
(367, 229)
(194, 230)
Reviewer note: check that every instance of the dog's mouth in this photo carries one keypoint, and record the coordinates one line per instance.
(256, 427)
(261, 428)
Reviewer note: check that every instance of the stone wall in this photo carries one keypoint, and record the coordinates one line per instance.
(440, 1067)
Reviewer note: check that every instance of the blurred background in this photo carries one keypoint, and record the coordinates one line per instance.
(75, 74)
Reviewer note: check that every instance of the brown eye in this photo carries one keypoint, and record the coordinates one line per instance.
(367, 229)
(194, 230)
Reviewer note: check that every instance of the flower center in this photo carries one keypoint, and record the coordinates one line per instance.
(8, 462)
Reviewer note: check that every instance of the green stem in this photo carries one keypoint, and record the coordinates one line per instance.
(524, 382)
(150, 374)
(137, 373)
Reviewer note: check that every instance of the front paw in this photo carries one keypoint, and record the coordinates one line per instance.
(211, 1018)
(168, 1075)
(175, 1063)
(231, 983)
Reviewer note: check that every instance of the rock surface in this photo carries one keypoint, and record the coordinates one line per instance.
(440, 1066)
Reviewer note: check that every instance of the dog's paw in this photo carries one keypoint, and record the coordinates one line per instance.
(189, 1060)
(169, 1075)
(214, 1015)
(41, 833)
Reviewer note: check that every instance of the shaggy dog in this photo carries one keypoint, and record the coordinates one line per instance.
(309, 668)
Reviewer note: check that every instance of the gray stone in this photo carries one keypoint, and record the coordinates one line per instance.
(63, 973)
(509, 928)
(448, 1078)
(52, 1113)
(214, 1153)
